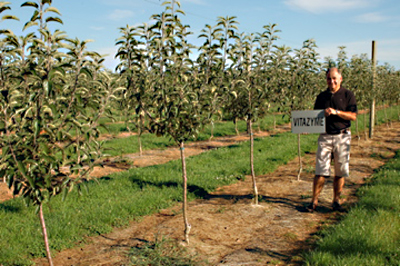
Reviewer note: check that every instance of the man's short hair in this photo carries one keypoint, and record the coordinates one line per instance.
(333, 68)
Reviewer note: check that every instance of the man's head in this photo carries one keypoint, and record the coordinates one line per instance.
(334, 79)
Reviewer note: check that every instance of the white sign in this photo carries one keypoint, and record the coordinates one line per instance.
(312, 121)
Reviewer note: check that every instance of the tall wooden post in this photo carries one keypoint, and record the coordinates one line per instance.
(372, 109)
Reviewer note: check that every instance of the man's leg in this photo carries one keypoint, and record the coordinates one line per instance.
(322, 168)
(338, 184)
(318, 184)
(342, 159)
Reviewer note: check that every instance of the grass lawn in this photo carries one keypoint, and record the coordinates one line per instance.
(115, 200)
(370, 233)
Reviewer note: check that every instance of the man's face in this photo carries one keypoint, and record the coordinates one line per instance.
(334, 79)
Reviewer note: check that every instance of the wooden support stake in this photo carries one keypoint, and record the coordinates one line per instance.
(372, 109)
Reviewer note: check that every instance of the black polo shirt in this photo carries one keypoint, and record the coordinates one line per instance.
(342, 100)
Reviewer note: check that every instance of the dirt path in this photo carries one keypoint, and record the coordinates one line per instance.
(227, 229)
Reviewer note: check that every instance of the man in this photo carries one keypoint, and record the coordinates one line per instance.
(340, 108)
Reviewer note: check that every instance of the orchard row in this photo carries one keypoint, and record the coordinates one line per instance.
(54, 91)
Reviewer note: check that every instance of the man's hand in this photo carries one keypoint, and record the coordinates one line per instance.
(342, 114)
(330, 111)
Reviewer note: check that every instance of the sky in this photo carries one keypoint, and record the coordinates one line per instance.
(353, 24)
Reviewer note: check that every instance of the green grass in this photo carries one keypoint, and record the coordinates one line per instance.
(370, 233)
(113, 128)
(381, 116)
(120, 146)
(227, 128)
(162, 252)
(115, 200)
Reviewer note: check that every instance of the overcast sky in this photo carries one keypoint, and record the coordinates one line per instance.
(350, 23)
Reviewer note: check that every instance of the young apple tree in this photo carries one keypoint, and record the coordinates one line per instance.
(49, 112)
(303, 84)
(174, 100)
(132, 69)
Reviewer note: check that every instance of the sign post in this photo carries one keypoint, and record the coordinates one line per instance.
(310, 121)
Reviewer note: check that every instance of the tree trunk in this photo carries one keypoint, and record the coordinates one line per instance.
(299, 154)
(357, 133)
(392, 114)
(372, 119)
(365, 127)
(184, 204)
(140, 143)
(235, 121)
(253, 176)
(44, 231)
(140, 134)
(398, 111)
(386, 115)
(212, 130)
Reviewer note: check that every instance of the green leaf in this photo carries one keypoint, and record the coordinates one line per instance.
(6, 32)
(31, 4)
(5, 17)
(10, 180)
(4, 6)
(35, 16)
(29, 24)
(54, 19)
(64, 194)
(87, 72)
(22, 169)
(53, 9)
(37, 127)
